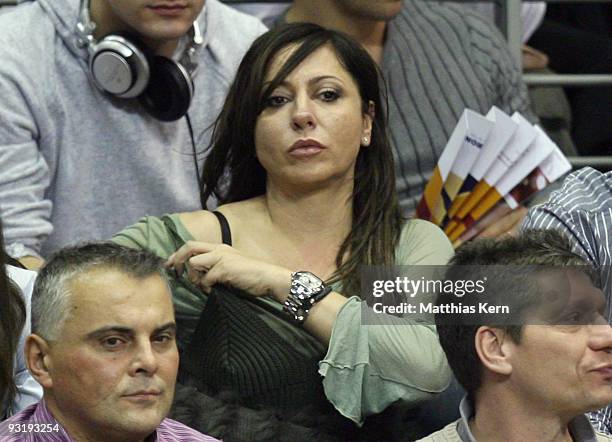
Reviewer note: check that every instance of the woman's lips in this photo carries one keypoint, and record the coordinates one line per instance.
(305, 151)
(305, 148)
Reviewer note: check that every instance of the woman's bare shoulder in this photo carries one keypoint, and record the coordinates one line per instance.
(203, 225)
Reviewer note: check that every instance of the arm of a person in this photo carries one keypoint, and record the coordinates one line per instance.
(573, 210)
(369, 367)
(25, 176)
(574, 226)
(148, 233)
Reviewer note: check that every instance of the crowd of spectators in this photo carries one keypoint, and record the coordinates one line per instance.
(189, 202)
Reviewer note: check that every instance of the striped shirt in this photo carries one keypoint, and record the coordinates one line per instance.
(582, 210)
(36, 424)
(439, 59)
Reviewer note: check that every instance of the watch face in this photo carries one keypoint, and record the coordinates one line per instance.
(305, 284)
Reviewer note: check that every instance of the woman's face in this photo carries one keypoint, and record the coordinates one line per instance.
(312, 125)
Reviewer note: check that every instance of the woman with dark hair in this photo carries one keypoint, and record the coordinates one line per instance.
(302, 169)
(17, 388)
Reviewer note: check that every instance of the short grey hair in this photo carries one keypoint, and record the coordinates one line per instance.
(51, 298)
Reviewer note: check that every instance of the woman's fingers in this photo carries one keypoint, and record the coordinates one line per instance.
(210, 278)
(189, 249)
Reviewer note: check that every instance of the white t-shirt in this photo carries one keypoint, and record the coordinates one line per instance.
(28, 390)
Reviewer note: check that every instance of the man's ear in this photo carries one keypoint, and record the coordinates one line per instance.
(39, 360)
(368, 119)
(492, 348)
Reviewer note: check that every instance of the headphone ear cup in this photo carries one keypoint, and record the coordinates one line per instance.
(120, 66)
(170, 90)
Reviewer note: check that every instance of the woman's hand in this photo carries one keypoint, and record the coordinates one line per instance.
(209, 264)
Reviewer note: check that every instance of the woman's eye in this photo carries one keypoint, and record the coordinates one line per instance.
(276, 101)
(329, 95)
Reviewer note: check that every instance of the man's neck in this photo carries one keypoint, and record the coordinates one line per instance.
(107, 22)
(370, 33)
(506, 418)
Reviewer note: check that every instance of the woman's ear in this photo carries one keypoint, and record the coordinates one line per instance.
(368, 119)
(490, 343)
(38, 360)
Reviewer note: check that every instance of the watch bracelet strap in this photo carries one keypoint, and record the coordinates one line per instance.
(326, 291)
(295, 311)
(294, 307)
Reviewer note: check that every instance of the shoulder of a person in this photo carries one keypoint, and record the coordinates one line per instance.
(22, 277)
(444, 14)
(26, 33)
(422, 242)
(230, 32)
(583, 187)
(468, 26)
(203, 225)
(446, 434)
(601, 437)
(459, 26)
(228, 17)
(422, 230)
(187, 434)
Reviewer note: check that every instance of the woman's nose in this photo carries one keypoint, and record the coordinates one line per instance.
(303, 116)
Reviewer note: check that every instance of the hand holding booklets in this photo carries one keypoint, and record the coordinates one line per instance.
(488, 160)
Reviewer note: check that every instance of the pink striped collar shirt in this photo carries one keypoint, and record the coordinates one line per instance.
(36, 424)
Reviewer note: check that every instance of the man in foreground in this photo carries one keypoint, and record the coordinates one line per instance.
(582, 211)
(103, 348)
(530, 375)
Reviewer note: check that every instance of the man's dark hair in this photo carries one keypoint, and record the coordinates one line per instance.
(51, 296)
(509, 266)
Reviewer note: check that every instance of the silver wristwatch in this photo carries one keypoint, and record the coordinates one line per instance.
(306, 289)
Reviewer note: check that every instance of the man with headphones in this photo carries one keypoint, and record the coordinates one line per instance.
(105, 106)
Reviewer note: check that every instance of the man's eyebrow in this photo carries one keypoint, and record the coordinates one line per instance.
(170, 326)
(110, 329)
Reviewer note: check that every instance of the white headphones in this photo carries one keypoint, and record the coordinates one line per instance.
(123, 67)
